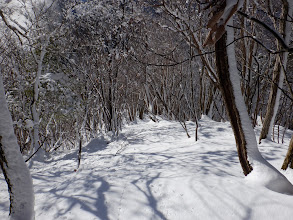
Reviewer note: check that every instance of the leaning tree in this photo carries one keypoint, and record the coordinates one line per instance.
(222, 35)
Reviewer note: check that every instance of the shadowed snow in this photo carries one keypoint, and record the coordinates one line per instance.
(153, 171)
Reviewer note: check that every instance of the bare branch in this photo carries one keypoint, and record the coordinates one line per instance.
(272, 31)
(14, 29)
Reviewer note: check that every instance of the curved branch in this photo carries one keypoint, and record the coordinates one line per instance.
(14, 29)
(272, 31)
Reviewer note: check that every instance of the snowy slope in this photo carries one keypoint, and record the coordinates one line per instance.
(16, 11)
(153, 171)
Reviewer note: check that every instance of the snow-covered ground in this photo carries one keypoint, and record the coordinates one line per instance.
(153, 171)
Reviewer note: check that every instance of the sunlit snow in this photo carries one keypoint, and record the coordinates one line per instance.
(153, 171)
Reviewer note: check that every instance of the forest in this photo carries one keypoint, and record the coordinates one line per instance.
(72, 71)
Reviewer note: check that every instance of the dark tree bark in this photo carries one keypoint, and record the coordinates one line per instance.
(289, 156)
(226, 88)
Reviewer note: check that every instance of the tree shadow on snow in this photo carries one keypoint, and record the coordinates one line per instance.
(152, 202)
(94, 202)
(95, 145)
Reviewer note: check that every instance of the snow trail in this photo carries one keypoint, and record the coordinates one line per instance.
(158, 174)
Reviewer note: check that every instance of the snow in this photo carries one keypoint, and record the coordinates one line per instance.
(153, 171)
(263, 172)
(288, 30)
(230, 4)
(18, 10)
(16, 171)
(29, 124)
(252, 150)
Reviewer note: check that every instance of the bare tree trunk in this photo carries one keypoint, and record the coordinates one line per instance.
(289, 156)
(226, 88)
(278, 74)
(35, 113)
(241, 124)
(270, 112)
(16, 172)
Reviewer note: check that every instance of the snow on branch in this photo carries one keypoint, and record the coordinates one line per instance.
(14, 29)
(222, 12)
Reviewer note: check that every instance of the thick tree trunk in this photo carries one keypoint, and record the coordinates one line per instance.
(230, 103)
(16, 172)
(263, 172)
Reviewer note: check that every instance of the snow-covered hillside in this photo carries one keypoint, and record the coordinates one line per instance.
(153, 171)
